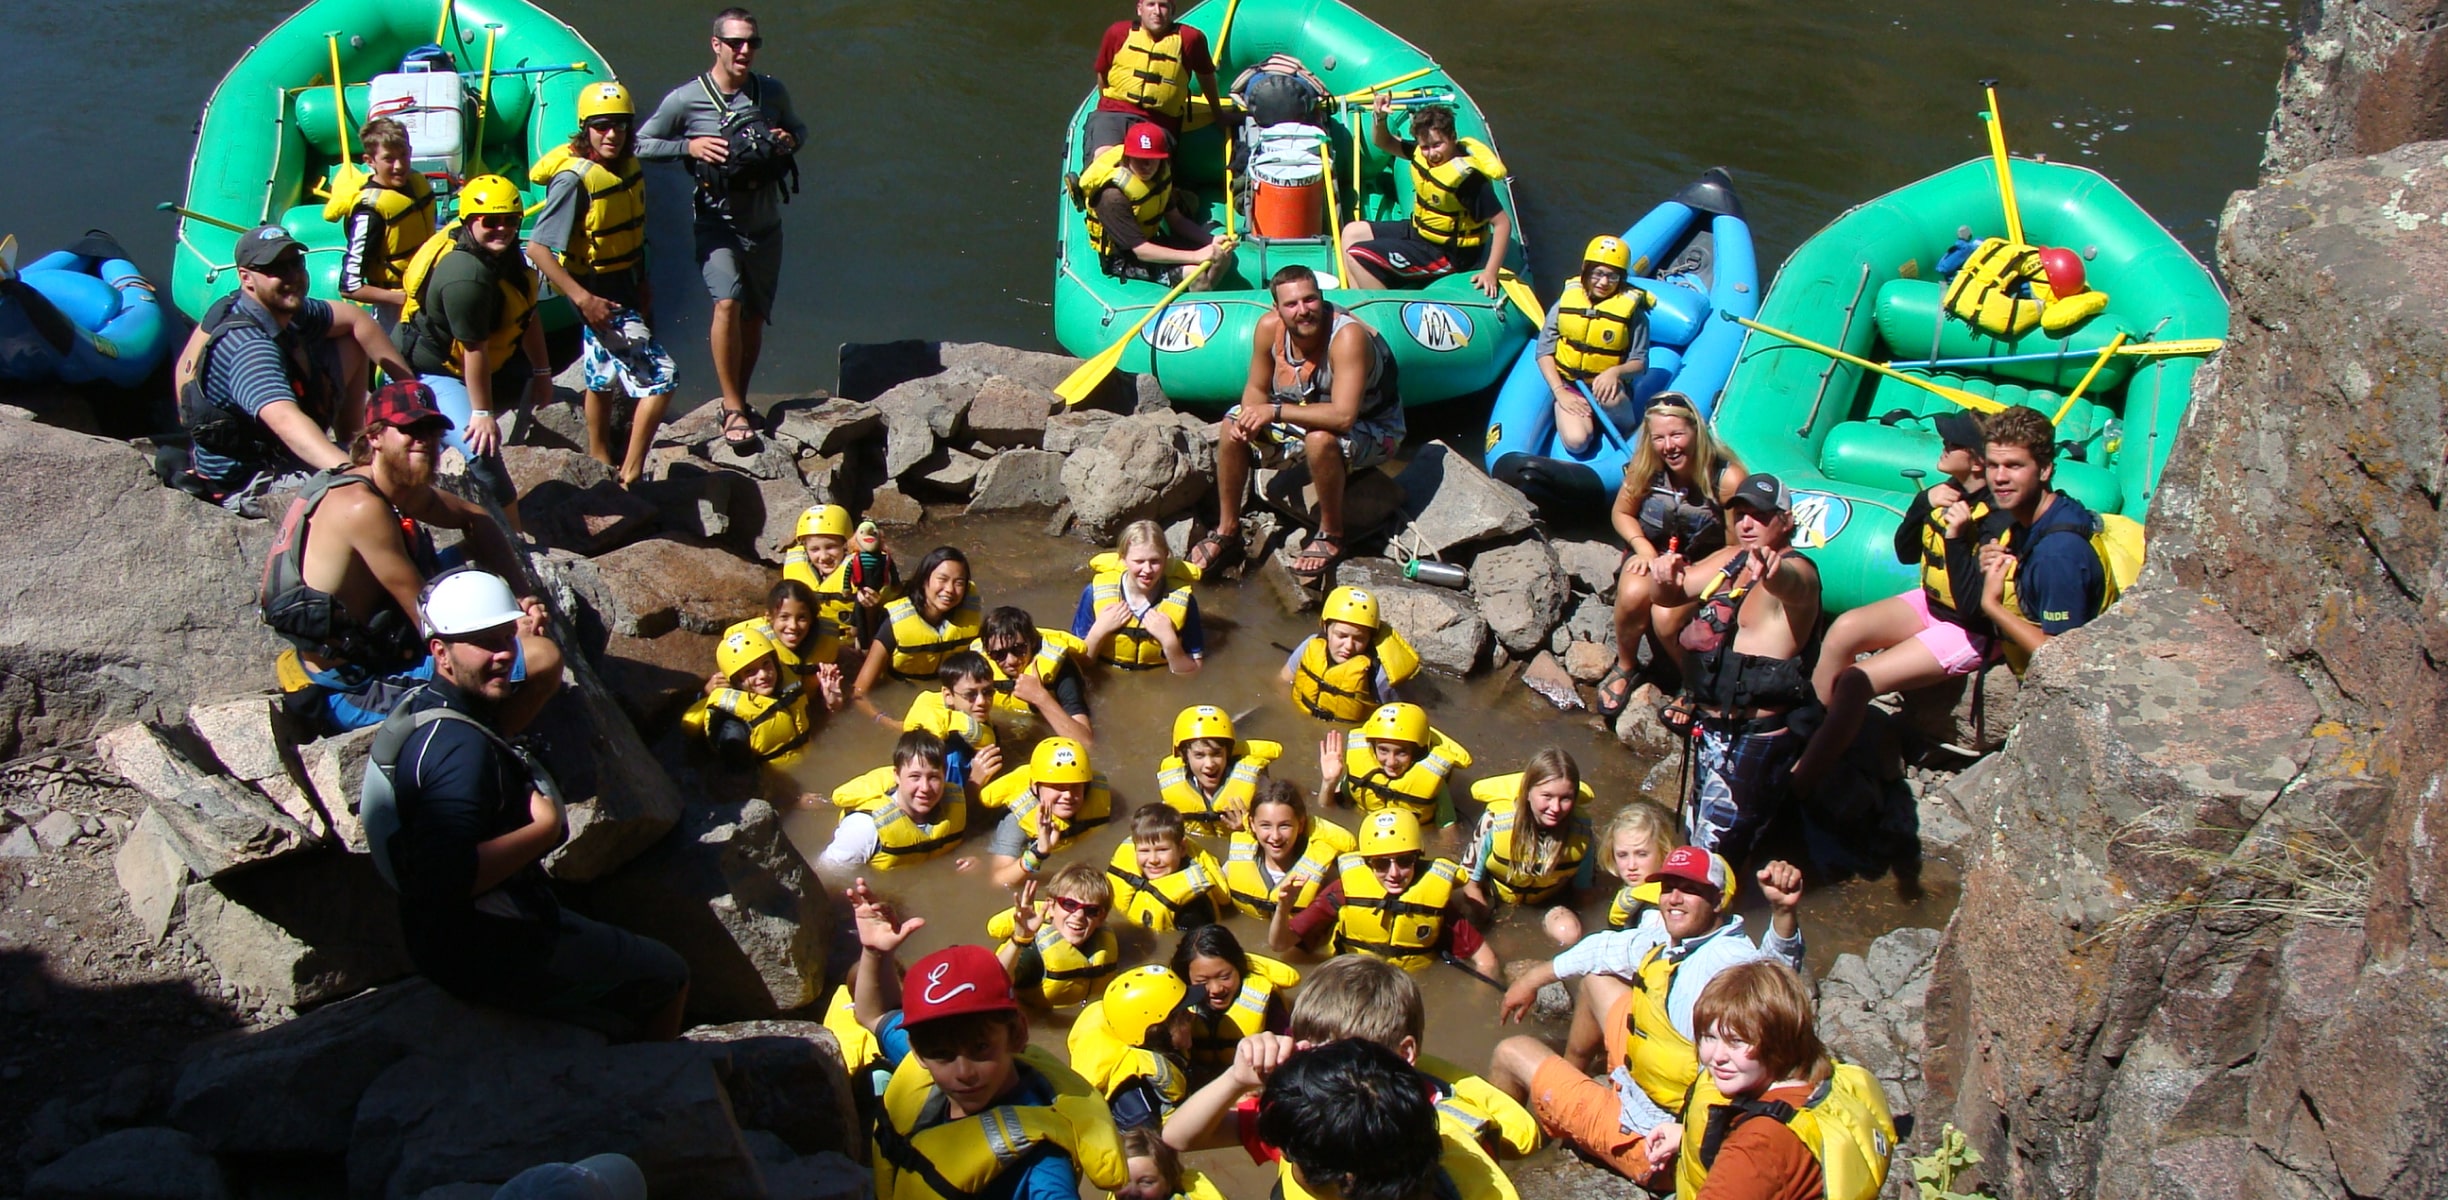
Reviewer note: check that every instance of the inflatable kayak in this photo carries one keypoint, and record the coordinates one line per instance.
(1855, 444)
(1693, 253)
(80, 315)
(1448, 339)
(269, 143)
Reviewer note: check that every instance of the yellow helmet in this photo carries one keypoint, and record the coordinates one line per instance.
(829, 520)
(1140, 999)
(1202, 721)
(1396, 723)
(489, 195)
(1060, 760)
(1350, 604)
(742, 646)
(1389, 831)
(604, 100)
(1607, 250)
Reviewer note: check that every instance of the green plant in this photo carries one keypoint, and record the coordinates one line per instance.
(1938, 1172)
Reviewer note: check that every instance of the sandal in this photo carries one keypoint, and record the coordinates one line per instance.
(1222, 552)
(739, 428)
(1614, 692)
(1680, 716)
(1326, 548)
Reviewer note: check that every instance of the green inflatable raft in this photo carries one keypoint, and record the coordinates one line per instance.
(1848, 440)
(270, 138)
(1448, 339)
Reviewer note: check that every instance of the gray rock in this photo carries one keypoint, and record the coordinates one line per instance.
(301, 931)
(1899, 956)
(921, 414)
(1142, 467)
(1011, 412)
(691, 501)
(620, 799)
(1639, 728)
(1665, 781)
(132, 1164)
(532, 467)
(151, 874)
(1520, 591)
(429, 1121)
(733, 897)
(1018, 479)
(1944, 713)
(1067, 431)
(1451, 502)
(829, 425)
(335, 773)
(893, 508)
(58, 829)
(215, 823)
(1548, 678)
(784, 1077)
(950, 475)
(1595, 566)
(99, 628)
(1591, 620)
(252, 740)
(1438, 622)
(1036, 368)
(829, 478)
(590, 520)
(1370, 498)
(292, 1089)
(658, 585)
(21, 843)
(777, 505)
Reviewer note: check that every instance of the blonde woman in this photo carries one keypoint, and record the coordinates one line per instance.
(1670, 511)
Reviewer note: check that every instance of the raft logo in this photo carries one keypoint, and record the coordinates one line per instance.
(1818, 517)
(1495, 434)
(1440, 327)
(1184, 327)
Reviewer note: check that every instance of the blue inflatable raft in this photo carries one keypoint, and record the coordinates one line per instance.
(1693, 253)
(80, 315)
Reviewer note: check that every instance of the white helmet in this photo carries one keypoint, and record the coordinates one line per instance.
(468, 601)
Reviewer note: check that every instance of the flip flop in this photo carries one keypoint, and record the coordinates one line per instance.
(1611, 703)
(1321, 546)
(739, 428)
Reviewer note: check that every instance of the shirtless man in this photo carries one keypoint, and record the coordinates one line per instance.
(354, 554)
(1758, 608)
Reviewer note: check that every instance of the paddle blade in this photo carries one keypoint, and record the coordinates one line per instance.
(8, 256)
(1084, 380)
(1524, 299)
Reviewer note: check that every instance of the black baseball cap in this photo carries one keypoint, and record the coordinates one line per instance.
(1766, 493)
(263, 246)
(1960, 431)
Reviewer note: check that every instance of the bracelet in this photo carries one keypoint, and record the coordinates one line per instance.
(474, 413)
(1031, 858)
(541, 373)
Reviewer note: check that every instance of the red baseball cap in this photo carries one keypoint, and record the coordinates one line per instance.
(954, 982)
(1691, 864)
(403, 404)
(1146, 140)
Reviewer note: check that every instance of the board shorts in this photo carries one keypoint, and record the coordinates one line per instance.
(740, 266)
(626, 361)
(1739, 782)
(1959, 651)
(1395, 252)
(1366, 444)
(1587, 1113)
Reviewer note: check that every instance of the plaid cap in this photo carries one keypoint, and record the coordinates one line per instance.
(403, 404)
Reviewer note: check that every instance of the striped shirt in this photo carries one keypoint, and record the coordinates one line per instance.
(246, 373)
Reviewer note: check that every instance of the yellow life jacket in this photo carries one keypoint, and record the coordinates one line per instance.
(1437, 211)
(1252, 887)
(1107, 1062)
(1418, 791)
(836, 596)
(611, 234)
(1661, 1060)
(518, 289)
(1016, 790)
(1481, 1109)
(1982, 291)
(1157, 903)
(1203, 812)
(408, 222)
(1470, 1172)
(902, 839)
(1403, 930)
(1845, 1125)
(861, 1053)
(1624, 911)
(1594, 337)
(1072, 973)
(1148, 74)
(930, 713)
(1148, 197)
(1132, 647)
(1055, 647)
(919, 645)
(796, 665)
(1934, 581)
(2061, 315)
(1343, 691)
(1215, 1035)
(778, 725)
(956, 1159)
(1512, 880)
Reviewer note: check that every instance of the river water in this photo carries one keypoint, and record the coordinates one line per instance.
(930, 190)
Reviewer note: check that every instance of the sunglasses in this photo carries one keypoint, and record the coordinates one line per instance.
(1078, 907)
(747, 43)
(1388, 862)
(607, 124)
(1000, 653)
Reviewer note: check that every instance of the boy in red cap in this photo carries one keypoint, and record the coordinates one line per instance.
(972, 1108)
(1143, 227)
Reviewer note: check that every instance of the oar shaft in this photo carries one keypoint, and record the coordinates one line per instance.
(1967, 399)
(2005, 172)
(1605, 423)
(1371, 90)
(2088, 376)
(546, 70)
(2128, 350)
(193, 215)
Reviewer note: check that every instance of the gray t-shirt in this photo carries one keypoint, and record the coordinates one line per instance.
(687, 112)
(1637, 335)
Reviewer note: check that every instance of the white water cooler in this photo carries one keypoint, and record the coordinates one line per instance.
(433, 106)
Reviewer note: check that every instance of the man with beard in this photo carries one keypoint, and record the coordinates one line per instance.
(1638, 988)
(354, 553)
(1321, 385)
(273, 380)
(462, 820)
(469, 326)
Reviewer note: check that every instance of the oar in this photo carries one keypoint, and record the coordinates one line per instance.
(2088, 376)
(350, 179)
(2129, 349)
(1083, 381)
(1605, 423)
(1334, 213)
(1224, 31)
(442, 27)
(1958, 395)
(1370, 92)
(2005, 174)
(575, 66)
(193, 215)
(484, 95)
(1456, 963)
(1521, 295)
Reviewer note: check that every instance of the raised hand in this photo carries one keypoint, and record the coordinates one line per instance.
(879, 928)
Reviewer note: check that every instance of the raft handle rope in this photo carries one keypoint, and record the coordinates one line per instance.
(1829, 373)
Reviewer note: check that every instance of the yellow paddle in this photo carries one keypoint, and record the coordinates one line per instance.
(1371, 90)
(2088, 376)
(1082, 382)
(1981, 404)
(350, 179)
(484, 97)
(1521, 295)
(1334, 214)
(442, 26)
(1224, 31)
(2005, 174)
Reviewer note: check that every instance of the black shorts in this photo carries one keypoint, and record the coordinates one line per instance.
(600, 976)
(1395, 253)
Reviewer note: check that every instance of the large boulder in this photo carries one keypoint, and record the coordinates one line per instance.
(1018, 479)
(654, 679)
(829, 424)
(732, 895)
(1370, 497)
(659, 585)
(213, 822)
(1520, 590)
(1451, 502)
(921, 414)
(786, 1078)
(1072, 429)
(1595, 566)
(255, 743)
(301, 931)
(132, 1164)
(1870, 1011)
(151, 874)
(620, 800)
(2364, 76)
(1036, 368)
(570, 501)
(1144, 466)
(1010, 412)
(1440, 623)
(125, 600)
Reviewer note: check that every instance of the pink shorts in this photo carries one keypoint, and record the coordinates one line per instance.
(1959, 651)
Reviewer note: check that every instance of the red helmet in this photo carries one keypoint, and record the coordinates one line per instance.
(2065, 270)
